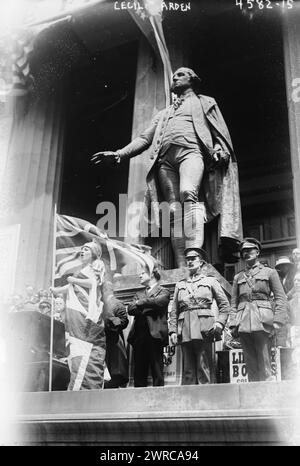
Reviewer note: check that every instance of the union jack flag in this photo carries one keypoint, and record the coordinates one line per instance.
(84, 313)
(72, 233)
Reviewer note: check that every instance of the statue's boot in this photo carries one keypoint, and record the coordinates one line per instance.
(177, 233)
(194, 216)
(178, 246)
(187, 229)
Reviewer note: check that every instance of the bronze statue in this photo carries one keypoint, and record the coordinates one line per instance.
(194, 167)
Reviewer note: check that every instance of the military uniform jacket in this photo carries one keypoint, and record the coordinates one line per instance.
(154, 307)
(192, 316)
(253, 307)
(220, 186)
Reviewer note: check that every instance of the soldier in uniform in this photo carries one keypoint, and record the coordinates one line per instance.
(192, 320)
(255, 313)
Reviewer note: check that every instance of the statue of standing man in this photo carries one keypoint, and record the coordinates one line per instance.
(194, 168)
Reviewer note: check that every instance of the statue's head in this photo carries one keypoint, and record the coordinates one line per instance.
(185, 78)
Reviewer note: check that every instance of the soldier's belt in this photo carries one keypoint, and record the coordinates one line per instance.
(253, 297)
(195, 308)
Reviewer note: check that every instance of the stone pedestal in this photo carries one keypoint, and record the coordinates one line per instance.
(261, 413)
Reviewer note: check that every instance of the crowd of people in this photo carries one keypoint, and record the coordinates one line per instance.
(40, 301)
(264, 308)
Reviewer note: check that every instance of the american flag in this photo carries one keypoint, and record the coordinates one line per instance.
(72, 233)
(151, 11)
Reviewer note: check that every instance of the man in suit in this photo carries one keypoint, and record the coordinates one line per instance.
(116, 357)
(149, 332)
(194, 169)
(286, 272)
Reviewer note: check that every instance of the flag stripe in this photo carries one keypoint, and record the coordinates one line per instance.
(72, 233)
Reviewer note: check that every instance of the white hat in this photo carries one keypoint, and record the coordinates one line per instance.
(284, 260)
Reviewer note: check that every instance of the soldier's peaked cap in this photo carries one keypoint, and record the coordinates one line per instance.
(250, 243)
(188, 252)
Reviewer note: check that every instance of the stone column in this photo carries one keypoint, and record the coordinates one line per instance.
(149, 99)
(291, 37)
(31, 184)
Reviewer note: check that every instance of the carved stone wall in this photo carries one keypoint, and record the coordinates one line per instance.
(32, 182)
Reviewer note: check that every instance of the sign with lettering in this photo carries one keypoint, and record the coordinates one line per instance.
(172, 365)
(237, 366)
(238, 369)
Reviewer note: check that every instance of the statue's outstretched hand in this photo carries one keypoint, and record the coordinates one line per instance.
(108, 157)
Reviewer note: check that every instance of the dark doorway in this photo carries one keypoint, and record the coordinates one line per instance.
(99, 117)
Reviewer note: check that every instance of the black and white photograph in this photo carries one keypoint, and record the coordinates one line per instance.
(149, 226)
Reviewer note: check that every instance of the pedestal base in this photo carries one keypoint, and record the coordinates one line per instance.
(262, 413)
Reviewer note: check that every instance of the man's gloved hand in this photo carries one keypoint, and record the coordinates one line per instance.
(141, 303)
(107, 157)
(218, 329)
(174, 338)
(113, 323)
(133, 310)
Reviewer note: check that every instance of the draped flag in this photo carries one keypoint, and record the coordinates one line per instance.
(151, 11)
(86, 305)
(85, 329)
(72, 233)
(17, 43)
